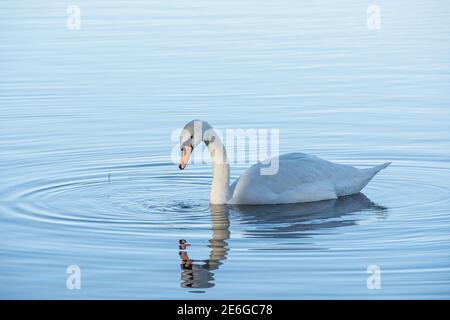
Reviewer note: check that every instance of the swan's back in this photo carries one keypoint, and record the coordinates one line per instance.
(300, 178)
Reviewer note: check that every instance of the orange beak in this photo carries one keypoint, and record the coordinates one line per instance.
(185, 154)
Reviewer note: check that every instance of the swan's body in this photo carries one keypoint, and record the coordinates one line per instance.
(299, 178)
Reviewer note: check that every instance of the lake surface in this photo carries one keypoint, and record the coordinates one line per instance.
(86, 177)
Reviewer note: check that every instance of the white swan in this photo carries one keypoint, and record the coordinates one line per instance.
(299, 178)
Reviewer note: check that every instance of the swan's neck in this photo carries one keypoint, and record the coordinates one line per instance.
(221, 171)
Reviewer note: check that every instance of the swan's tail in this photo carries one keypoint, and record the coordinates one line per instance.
(367, 174)
(376, 169)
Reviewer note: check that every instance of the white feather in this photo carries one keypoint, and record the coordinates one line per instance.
(300, 178)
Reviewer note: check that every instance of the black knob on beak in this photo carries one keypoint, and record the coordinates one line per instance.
(180, 167)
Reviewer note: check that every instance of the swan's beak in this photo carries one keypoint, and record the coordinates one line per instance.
(185, 154)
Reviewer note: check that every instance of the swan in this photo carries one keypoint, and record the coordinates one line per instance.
(300, 177)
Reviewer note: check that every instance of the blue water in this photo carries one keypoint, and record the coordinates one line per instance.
(86, 118)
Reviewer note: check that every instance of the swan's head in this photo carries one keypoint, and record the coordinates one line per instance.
(191, 136)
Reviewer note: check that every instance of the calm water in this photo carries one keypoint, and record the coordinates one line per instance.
(86, 118)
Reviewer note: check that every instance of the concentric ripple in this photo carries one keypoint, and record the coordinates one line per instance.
(157, 194)
(141, 211)
(126, 195)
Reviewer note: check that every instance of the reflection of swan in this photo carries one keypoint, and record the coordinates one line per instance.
(290, 178)
(269, 221)
(197, 273)
(300, 220)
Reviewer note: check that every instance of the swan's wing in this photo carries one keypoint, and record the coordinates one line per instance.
(300, 178)
(344, 179)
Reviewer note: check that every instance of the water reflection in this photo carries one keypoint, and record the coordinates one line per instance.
(300, 220)
(270, 221)
(197, 273)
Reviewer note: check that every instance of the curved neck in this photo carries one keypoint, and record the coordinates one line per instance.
(221, 169)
